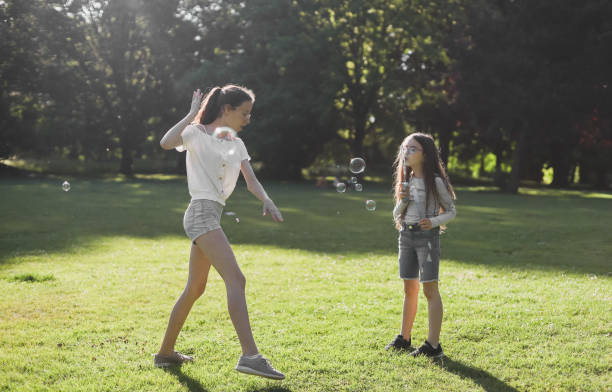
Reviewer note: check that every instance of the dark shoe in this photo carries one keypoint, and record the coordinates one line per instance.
(399, 343)
(175, 358)
(427, 350)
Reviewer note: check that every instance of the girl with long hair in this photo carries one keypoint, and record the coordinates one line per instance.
(423, 203)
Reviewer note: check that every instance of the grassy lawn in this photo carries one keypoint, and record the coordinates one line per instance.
(88, 278)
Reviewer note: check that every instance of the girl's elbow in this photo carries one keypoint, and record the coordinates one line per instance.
(166, 145)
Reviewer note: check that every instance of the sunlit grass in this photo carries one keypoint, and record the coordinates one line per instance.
(525, 281)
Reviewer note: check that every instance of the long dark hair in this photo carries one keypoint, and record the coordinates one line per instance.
(432, 167)
(217, 97)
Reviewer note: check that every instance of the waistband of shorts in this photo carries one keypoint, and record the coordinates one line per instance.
(415, 228)
(207, 201)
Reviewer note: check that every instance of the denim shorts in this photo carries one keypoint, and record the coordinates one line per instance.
(201, 217)
(419, 254)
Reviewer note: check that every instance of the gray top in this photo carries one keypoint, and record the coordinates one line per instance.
(415, 207)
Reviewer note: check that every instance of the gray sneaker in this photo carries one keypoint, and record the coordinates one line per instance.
(175, 358)
(258, 366)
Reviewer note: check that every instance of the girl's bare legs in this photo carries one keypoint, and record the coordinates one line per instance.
(199, 266)
(434, 310)
(218, 251)
(411, 297)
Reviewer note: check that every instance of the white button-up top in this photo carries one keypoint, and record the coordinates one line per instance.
(213, 164)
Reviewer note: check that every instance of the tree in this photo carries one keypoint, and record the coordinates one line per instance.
(387, 53)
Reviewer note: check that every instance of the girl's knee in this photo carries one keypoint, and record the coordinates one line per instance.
(195, 291)
(236, 280)
(431, 291)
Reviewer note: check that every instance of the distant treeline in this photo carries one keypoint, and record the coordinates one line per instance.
(521, 84)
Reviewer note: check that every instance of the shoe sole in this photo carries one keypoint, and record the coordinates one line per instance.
(438, 356)
(400, 349)
(169, 364)
(253, 372)
(164, 365)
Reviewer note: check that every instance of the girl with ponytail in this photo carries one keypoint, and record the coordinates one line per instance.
(215, 158)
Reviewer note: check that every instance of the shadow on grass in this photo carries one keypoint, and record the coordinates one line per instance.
(190, 382)
(195, 386)
(271, 388)
(479, 376)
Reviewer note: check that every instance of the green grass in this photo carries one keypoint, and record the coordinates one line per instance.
(88, 279)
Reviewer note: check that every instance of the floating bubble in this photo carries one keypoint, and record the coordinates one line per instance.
(225, 133)
(232, 213)
(66, 186)
(370, 205)
(358, 187)
(357, 165)
(341, 187)
(353, 180)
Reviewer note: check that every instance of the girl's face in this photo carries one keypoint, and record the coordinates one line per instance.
(413, 152)
(239, 117)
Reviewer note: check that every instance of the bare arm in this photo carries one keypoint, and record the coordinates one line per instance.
(172, 138)
(255, 187)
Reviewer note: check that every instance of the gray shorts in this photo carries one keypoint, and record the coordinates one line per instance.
(201, 217)
(419, 254)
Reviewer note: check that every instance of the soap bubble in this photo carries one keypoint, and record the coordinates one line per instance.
(370, 205)
(66, 186)
(358, 187)
(341, 187)
(353, 180)
(224, 133)
(357, 165)
(232, 213)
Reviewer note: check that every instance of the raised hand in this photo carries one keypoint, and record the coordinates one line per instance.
(196, 102)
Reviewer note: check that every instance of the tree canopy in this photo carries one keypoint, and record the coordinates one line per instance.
(523, 82)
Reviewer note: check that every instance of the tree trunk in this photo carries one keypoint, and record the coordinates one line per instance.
(126, 160)
(444, 144)
(601, 179)
(561, 167)
(499, 176)
(515, 176)
(357, 145)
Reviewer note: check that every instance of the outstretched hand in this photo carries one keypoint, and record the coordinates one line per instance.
(270, 208)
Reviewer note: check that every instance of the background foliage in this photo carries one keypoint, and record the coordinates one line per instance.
(508, 87)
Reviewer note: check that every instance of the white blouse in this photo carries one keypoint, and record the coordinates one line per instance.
(213, 164)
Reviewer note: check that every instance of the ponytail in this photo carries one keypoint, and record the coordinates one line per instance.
(217, 97)
(210, 107)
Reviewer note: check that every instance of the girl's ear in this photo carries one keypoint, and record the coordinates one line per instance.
(226, 108)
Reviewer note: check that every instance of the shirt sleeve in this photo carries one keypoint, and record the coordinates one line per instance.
(188, 135)
(447, 205)
(242, 150)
